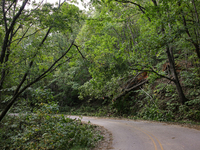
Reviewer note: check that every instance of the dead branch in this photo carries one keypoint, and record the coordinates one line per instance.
(130, 89)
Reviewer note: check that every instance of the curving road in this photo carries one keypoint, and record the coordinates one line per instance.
(144, 135)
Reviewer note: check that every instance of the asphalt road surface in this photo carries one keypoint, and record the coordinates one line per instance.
(144, 135)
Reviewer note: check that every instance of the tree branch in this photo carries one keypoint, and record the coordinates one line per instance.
(10, 6)
(49, 69)
(153, 71)
(5, 42)
(23, 36)
(131, 80)
(79, 51)
(4, 15)
(142, 9)
(130, 89)
(18, 92)
(53, 69)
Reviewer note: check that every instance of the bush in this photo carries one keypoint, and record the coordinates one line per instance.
(152, 113)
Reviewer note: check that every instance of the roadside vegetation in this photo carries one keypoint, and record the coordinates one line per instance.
(45, 129)
(137, 59)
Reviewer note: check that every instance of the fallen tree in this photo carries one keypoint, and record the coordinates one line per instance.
(133, 84)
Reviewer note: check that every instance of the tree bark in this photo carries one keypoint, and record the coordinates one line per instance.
(181, 95)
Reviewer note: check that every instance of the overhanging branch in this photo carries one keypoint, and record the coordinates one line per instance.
(142, 9)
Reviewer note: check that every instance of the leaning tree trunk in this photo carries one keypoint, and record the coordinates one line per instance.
(182, 98)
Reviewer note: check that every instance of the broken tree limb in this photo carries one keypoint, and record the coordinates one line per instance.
(149, 96)
(130, 81)
(130, 89)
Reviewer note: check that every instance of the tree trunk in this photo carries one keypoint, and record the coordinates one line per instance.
(7, 108)
(182, 98)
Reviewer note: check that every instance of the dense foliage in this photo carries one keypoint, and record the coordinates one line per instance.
(132, 58)
(131, 42)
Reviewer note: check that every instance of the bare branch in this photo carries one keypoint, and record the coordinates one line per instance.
(17, 15)
(136, 86)
(10, 6)
(155, 3)
(131, 80)
(146, 93)
(23, 79)
(130, 89)
(79, 51)
(149, 96)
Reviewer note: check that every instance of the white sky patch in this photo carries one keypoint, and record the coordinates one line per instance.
(78, 3)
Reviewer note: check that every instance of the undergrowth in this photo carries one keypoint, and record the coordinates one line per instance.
(45, 130)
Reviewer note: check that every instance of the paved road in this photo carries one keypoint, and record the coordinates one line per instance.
(144, 135)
